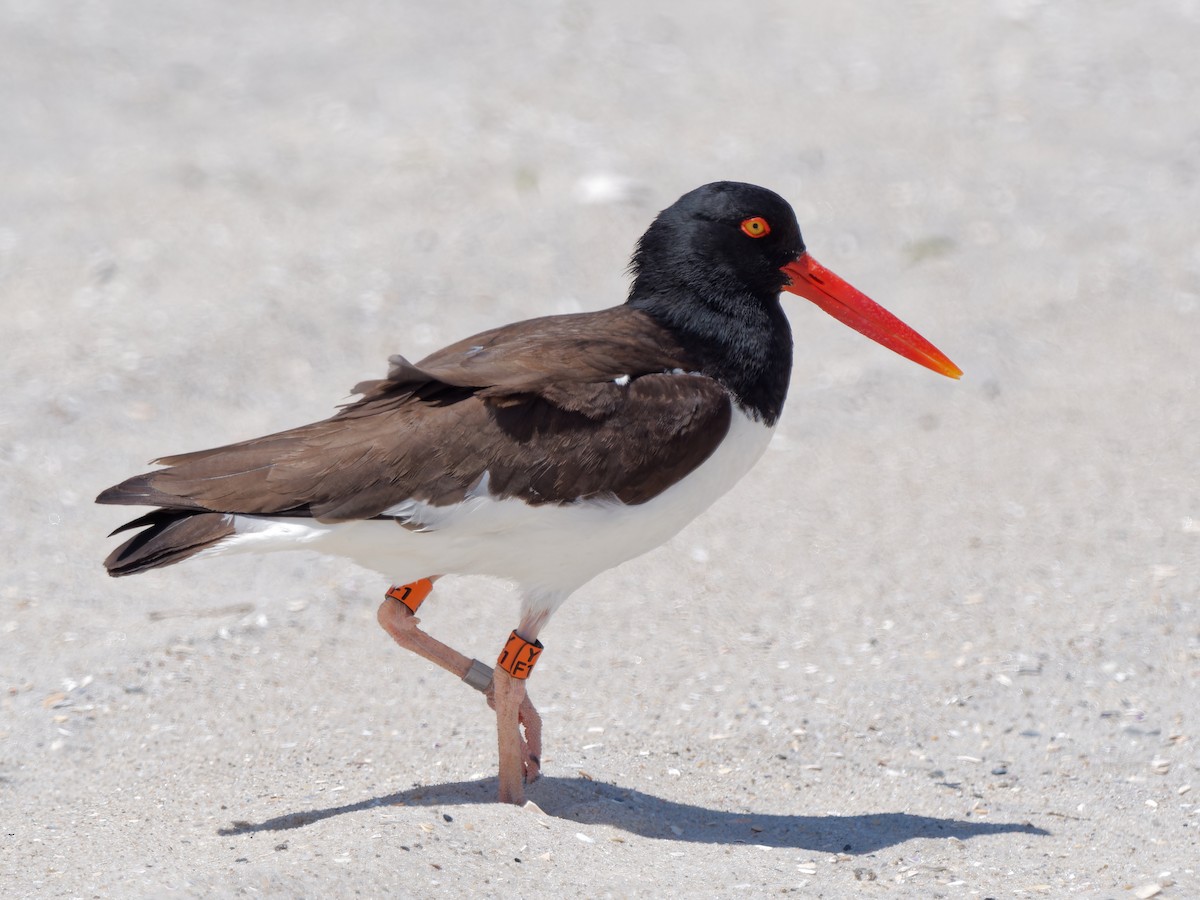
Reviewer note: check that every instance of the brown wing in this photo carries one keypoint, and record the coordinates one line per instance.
(555, 357)
(534, 405)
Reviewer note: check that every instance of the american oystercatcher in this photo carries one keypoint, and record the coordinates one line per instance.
(542, 452)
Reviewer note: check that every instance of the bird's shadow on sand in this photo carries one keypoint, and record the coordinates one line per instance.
(598, 803)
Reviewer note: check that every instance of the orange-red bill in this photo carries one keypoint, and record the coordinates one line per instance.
(847, 304)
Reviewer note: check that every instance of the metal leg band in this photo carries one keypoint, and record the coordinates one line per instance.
(479, 676)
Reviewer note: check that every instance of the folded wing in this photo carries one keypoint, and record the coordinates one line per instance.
(553, 410)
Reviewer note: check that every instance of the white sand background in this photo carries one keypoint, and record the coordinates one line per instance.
(942, 642)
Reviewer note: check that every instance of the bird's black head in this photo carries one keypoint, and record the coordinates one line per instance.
(718, 243)
(713, 264)
(711, 268)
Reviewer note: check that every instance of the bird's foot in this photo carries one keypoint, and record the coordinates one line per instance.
(531, 740)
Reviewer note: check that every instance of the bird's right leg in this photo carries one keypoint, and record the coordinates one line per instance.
(397, 616)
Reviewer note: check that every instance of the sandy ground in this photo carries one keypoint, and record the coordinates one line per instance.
(942, 642)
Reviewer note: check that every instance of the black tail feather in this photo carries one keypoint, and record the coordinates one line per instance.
(170, 535)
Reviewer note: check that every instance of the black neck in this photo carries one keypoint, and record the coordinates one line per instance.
(742, 341)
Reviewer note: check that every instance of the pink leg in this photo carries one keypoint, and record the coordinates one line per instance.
(520, 755)
(508, 694)
(401, 624)
(528, 737)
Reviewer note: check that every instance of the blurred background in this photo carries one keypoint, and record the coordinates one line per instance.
(216, 217)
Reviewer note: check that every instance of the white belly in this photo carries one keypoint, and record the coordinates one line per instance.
(548, 550)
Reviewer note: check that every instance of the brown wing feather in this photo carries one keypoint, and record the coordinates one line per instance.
(534, 405)
(554, 357)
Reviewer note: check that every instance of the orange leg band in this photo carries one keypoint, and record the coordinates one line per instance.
(518, 656)
(412, 594)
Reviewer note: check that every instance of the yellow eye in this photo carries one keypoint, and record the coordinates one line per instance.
(756, 227)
